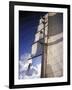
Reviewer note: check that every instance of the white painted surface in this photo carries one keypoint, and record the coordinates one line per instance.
(43, 80)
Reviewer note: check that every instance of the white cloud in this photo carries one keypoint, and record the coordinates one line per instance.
(24, 62)
(25, 56)
(34, 71)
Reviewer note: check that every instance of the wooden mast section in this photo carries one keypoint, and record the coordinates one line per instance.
(45, 46)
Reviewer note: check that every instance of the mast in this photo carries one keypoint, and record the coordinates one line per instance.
(44, 56)
(42, 33)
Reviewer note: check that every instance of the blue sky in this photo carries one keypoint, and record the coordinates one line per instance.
(28, 22)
